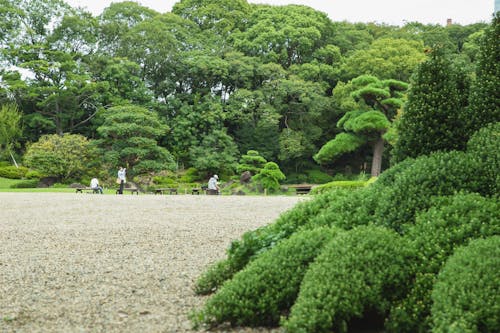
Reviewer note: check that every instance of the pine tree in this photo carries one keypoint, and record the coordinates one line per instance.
(484, 104)
(432, 118)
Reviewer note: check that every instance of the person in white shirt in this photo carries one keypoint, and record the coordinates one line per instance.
(122, 178)
(94, 184)
(213, 186)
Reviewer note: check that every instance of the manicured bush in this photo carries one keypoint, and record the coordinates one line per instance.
(315, 176)
(12, 172)
(191, 175)
(466, 295)
(360, 271)
(347, 184)
(260, 240)
(413, 188)
(484, 146)
(411, 314)
(32, 183)
(348, 209)
(214, 277)
(33, 174)
(451, 222)
(269, 177)
(258, 295)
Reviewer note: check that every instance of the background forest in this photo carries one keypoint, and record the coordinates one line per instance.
(201, 86)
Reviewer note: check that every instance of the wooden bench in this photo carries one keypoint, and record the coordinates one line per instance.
(170, 190)
(86, 190)
(302, 189)
(198, 190)
(131, 190)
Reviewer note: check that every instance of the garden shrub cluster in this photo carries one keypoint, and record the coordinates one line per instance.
(452, 221)
(466, 296)
(384, 268)
(436, 174)
(269, 285)
(361, 270)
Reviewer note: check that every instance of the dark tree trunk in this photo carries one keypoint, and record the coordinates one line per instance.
(378, 150)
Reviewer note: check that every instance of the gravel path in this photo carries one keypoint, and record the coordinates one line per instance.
(106, 263)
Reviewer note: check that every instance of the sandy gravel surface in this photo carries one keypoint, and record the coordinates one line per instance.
(108, 263)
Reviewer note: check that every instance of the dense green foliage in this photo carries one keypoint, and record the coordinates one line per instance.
(10, 129)
(435, 102)
(483, 104)
(451, 222)
(423, 209)
(258, 295)
(484, 145)
(65, 157)
(441, 173)
(466, 295)
(217, 74)
(360, 271)
(269, 177)
(252, 162)
(377, 104)
(11, 172)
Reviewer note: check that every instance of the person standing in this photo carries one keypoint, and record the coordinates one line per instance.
(122, 172)
(213, 186)
(94, 185)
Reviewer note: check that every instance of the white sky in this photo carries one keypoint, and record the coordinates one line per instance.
(395, 12)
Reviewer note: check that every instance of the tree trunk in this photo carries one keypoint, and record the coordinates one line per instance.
(378, 150)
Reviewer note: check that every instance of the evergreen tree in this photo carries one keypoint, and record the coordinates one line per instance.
(432, 117)
(484, 106)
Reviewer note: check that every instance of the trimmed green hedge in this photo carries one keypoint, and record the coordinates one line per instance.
(31, 183)
(348, 210)
(258, 295)
(359, 271)
(344, 184)
(451, 222)
(466, 295)
(484, 145)
(12, 172)
(434, 175)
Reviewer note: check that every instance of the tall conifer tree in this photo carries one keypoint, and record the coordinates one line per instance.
(432, 118)
(484, 102)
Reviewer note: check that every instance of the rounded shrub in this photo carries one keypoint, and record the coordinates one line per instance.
(260, 240)
(33, 174)
(466, 295)
(12, 172)
(451, 222)
(484, 146)
(30, 183)
(350, 208)
(413, 188)
(359, 272)
(268, 286)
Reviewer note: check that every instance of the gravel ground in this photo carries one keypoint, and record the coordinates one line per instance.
(107, 263)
